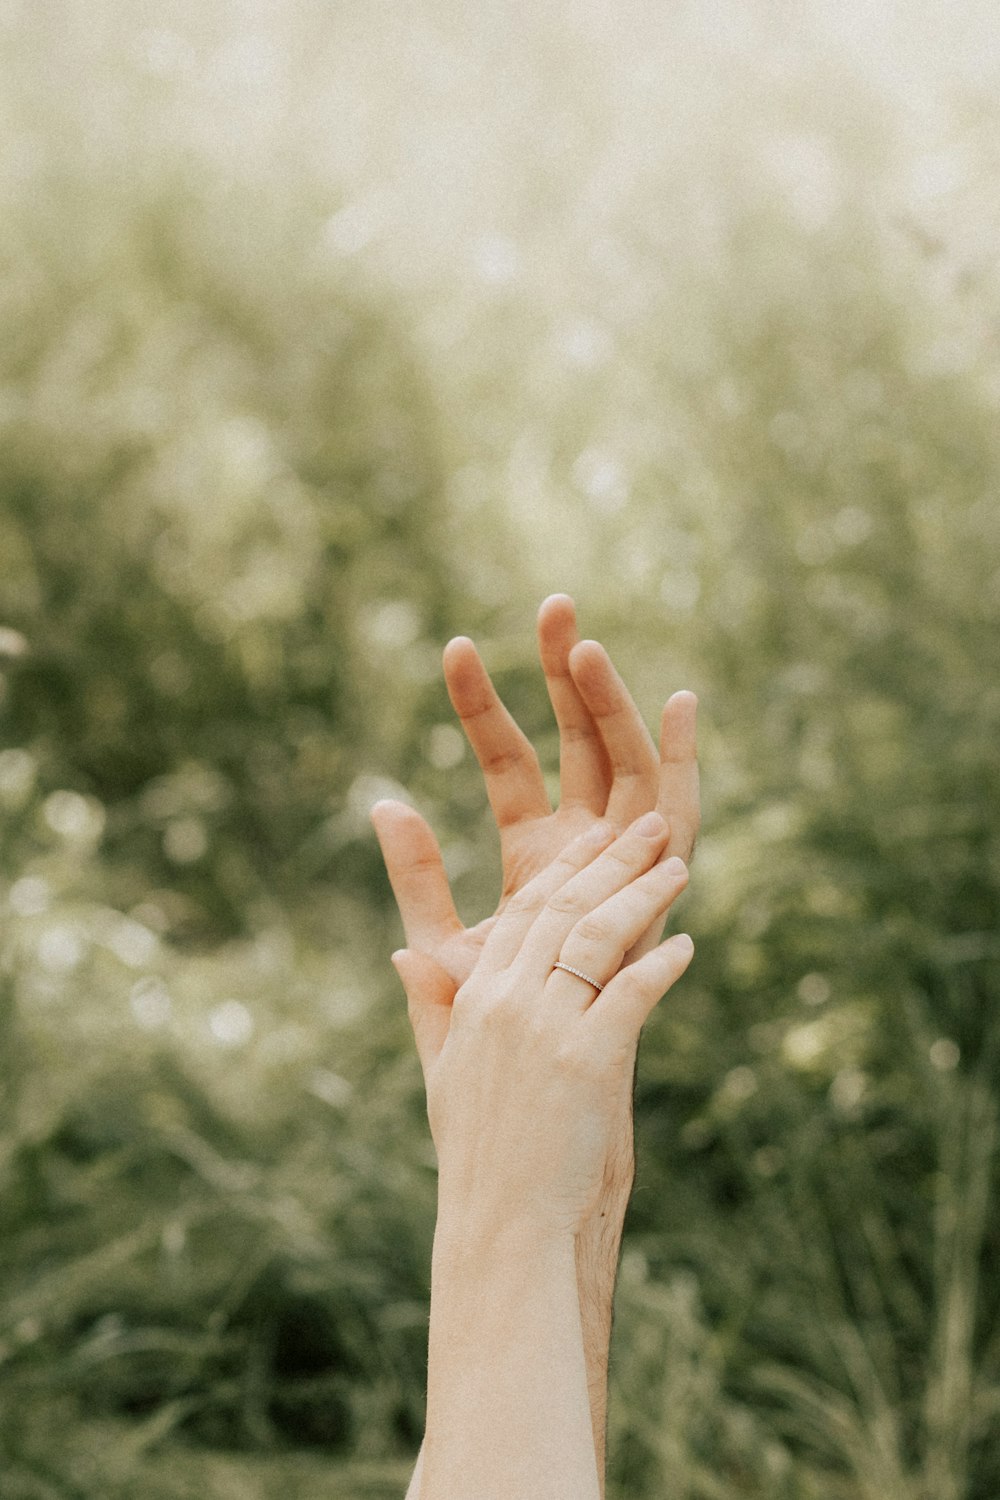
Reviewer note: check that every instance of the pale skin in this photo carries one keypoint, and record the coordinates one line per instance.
(610, 771)
(523, 1093)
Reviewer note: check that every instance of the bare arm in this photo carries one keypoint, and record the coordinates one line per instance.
(609, 769)
(597, 1251)
(526, 1066)
(508, 1414)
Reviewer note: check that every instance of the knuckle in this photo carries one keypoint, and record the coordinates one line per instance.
(523, 902)
(574, 1060)
(492, 1015)
(498, 1009)
(591, 930)
(566, 904)
(536, 1026)
(510, 757)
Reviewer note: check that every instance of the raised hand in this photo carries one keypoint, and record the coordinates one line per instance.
(608, 769)
(523, 1086)
(609, 772)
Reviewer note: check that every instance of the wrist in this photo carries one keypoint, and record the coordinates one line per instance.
(468, 1239)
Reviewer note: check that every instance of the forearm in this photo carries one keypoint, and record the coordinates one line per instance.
(597, 1253)
(598, 1250)
(508, 1413)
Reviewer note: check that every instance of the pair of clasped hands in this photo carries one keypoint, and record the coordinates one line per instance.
(528, 1067)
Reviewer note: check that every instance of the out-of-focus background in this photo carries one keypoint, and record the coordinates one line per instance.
(328, 331)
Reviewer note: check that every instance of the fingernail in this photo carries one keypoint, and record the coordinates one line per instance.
(675, 867)
(650, 826)
(682, 943)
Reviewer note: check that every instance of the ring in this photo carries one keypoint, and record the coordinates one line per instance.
(579, 974)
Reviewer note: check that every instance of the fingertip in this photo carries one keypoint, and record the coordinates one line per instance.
(588, 663)
(387, 807)
(587, 647)
(423, 978)
(557, 602)
(557, 634)
(379, 812)
(465, 675)
(681, 943)
(590, 653)
(459, 645)
(678, 727)
(652, 825)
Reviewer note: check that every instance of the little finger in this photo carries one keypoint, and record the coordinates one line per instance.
(615, 1019)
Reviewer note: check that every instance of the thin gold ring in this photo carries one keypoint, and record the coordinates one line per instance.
(579, 974)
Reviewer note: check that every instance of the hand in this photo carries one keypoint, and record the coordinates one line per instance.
(609, 769)
(524, 1077)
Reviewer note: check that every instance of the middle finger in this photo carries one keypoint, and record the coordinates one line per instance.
(597, 945)
(629, 745)
(584, 767)
(636, 851)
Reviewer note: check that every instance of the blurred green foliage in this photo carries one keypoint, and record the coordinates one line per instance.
(299, 375)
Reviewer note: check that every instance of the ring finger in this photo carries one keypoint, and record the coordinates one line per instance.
(555, 905)
(595, 948)
(547, 929)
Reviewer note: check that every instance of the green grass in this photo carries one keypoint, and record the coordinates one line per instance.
(308, 362)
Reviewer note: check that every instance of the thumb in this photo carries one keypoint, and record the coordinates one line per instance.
(429, 993)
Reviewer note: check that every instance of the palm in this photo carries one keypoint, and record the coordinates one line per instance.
(526, 849)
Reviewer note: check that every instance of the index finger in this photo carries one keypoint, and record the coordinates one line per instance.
(584, 769)
(514, 783)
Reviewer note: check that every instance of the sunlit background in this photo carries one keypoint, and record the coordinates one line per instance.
(328, 331)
